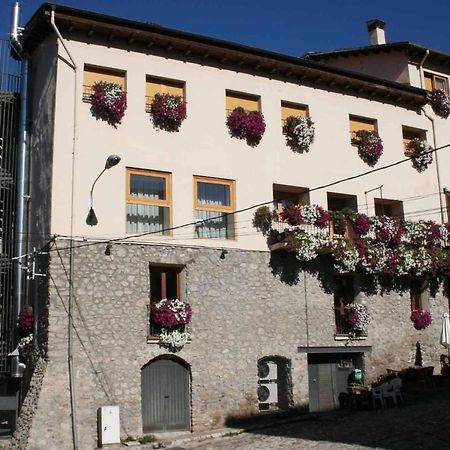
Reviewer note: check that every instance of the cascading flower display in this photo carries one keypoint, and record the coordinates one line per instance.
(171, 313)
(167, 112)
(358, 317)
(248, 125)
(306, 215)
(108, 102)
(440, 102)
(299, 132)
(421, 318)
(26, 322)
(173, 339)
(370, 146)
(420, 153)
(379, 246)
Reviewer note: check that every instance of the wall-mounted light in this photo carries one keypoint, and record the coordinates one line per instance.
(108, 249)
(91, 218)
(224, 253)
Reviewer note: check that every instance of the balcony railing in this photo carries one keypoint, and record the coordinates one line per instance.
(87, 93)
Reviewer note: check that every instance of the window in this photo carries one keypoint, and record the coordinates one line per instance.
(148, 201)
(165, 282)
(283, 195)
(389, 208)
(419, 294)
(213, 196)
(410, 133)
(361, 123)
(246, 101)
(338, 202)
(155, 86)
(434, 82)
(447, 204)
(292, 109)
(344, 295)
(94, 74)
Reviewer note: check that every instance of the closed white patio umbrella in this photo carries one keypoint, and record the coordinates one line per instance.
(445, 332)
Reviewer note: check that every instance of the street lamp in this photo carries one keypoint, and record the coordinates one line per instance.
(91, 218)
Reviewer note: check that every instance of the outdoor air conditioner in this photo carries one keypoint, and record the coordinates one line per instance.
(268, 393)
(267, 371)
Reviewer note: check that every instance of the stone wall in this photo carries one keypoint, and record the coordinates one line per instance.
(242, 312)
(29, 406)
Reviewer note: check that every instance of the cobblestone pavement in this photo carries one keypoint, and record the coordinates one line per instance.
(422, 423)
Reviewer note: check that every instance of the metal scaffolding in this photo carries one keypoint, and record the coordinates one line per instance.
(9, 126)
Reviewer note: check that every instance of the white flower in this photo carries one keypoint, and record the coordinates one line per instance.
(175, 339)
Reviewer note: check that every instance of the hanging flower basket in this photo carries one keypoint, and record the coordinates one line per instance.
(108, 102)
(26, 322)
(421, 318)
(358, 317)
(306, 214)
(370, 146)
(420, 153)
(174, 339)
(299, 132)
(440, 102)
(168, 112)
(248, 125)
(25, 345)
(171, 313)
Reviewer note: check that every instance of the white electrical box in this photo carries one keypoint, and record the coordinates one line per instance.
(108, 422)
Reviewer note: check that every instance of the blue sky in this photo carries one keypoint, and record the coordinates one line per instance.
(288, 26)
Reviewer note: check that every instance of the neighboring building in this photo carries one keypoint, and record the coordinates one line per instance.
(255, 324)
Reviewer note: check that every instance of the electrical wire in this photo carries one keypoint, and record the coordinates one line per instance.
(248, 208)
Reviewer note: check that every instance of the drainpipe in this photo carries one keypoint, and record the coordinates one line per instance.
(71, 254)
(420, 67)
(21, 174)
(438, 175)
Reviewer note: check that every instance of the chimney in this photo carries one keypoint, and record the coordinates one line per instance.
(375, 28)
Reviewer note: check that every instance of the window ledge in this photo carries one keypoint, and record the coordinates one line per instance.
(155, 340)
(348, 337)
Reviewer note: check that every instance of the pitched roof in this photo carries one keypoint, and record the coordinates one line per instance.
(151, 38)
(415, 52)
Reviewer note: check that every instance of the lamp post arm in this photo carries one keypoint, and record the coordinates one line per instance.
(91, 200)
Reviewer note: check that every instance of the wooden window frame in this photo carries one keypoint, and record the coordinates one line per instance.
(360, 119)
(216, 208)
(413, 132)
(419, 293)
(301, 193)
(162, 81)
(301, 108)
(155, 202)
(434, 77)
(340, 327)
(242, 95)
(397, 204)
(87, 89)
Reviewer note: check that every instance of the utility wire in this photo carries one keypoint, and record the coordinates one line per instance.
(226, 214)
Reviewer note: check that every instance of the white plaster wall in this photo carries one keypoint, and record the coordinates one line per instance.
(390, 65)
(203, 147)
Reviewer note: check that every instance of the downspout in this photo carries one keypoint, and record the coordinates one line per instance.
(420, 67)
(21, 176)
(438, 175)
(71, 254)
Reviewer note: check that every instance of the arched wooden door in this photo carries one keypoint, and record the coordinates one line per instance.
(165, 386)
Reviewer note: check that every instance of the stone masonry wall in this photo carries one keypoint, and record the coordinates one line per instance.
(241, 313)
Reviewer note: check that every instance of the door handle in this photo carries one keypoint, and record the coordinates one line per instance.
(314, 380)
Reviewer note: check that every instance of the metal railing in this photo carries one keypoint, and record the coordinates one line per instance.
(87, 93)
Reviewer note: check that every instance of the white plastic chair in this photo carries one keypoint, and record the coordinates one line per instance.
(392, 390)
(377, 394)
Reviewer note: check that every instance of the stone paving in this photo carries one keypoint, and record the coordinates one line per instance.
(422, 423)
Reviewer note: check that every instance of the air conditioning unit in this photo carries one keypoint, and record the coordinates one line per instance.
(268, 393)
(267, 371)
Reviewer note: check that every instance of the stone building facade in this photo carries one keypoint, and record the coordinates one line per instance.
(242, 312)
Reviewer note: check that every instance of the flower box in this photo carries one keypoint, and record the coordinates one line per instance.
(247, 125)
(108, 102)
(370, 146)
(168, 112)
